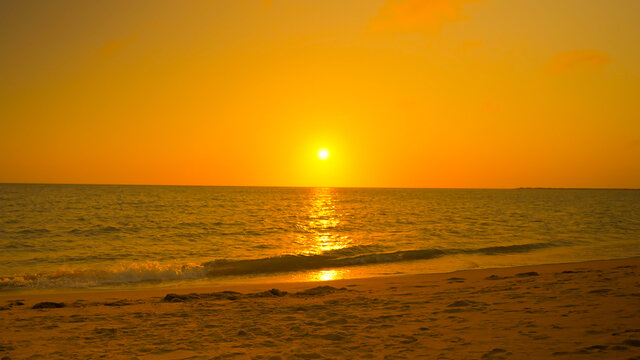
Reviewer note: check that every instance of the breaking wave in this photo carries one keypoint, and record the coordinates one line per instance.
(155, 272)
(119, 275)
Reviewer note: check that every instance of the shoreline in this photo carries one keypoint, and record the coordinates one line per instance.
(582, 310)
(141, 290)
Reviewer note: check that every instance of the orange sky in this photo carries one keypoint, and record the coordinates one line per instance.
(403, 93)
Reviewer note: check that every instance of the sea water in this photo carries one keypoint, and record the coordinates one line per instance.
(97, 236)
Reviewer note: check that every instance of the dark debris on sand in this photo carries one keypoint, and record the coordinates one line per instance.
(122, 302)
(527, 274)
(48, 305)
(496, 277)
(12, 303)
(233, 295)
(320, 290)
(632, 342)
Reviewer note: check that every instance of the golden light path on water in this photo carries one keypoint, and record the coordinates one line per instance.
(321, 220)
(325, 275)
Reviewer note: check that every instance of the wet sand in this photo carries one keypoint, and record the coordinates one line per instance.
(587, 310)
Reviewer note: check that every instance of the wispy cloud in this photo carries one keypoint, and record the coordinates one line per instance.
(115, 46)
(417, 15)
(491, 107)
(587, 58)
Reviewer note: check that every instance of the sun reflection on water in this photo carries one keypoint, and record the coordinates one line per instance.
(326, 275)
(319, 226)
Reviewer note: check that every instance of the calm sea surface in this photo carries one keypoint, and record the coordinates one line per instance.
(61, 236)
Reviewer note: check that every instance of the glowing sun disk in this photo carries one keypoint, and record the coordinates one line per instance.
(323, 154)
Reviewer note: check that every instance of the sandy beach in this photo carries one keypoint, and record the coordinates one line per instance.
(587, 310)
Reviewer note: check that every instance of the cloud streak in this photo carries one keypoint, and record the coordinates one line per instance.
(584, 58)
(114, 47)
(417, 15)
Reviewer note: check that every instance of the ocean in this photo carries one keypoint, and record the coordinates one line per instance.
(113, 236)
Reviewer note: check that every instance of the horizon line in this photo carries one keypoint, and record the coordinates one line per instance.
(335, 187)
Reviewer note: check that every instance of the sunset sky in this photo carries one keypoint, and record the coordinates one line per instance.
(404, 93)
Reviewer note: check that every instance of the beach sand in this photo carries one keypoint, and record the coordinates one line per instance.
(587, 310)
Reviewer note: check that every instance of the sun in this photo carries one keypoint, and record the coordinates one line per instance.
(323, 154)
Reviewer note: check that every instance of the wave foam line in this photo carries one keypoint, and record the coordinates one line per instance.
(333, 259)
(118, 275)
(154, 272)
